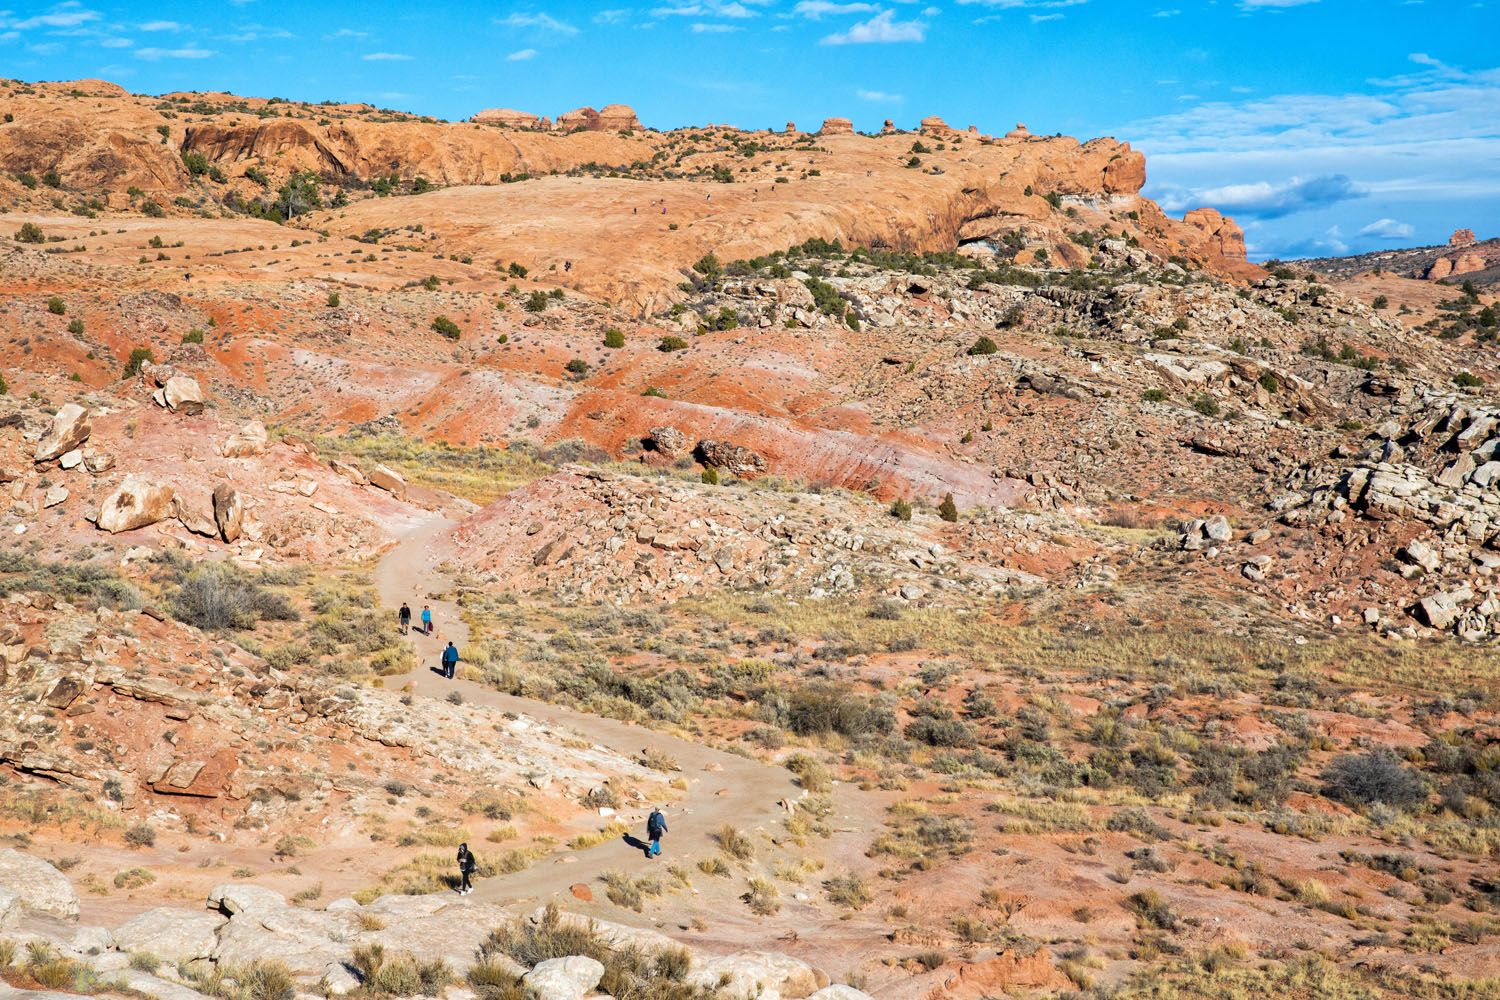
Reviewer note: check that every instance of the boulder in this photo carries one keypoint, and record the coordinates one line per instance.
(40, 887)
(197, 517)
(1442, 609)
(1419, 553)
(249, 440)
(748, 974)
(389, 480)
(182, 394)
(171, 934)
(349, 471)
(732, 458)
(232, 898)
(71, 459)
(70, 428)
(55, 496)
(1217, 529)
(836, 126)
(570, 978)
(64, 691)
(135, 503)
(97, 461)
(839, 992)
(1006, 973)
(670, 441)
(229, 511)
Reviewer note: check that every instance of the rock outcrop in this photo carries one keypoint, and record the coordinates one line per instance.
(613, 118)
(389, 480)
(229, 512)
(249, 441)
(836, 126)
(1462, 238)
(39, 887)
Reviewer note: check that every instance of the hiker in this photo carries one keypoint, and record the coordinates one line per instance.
(450, 661)
(466, 868)
(656, 826)
(403, 617)
(426, 619)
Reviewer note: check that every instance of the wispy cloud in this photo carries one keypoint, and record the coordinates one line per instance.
(710, 8)
(68, 15)
(1273, 4)
(1389, 229)
(538, 19)
(814, 10)
(187, 52)
(710, 28)
(386, 57)
(879, 96)
(521, 55)
(1264, 200)
(883, 28)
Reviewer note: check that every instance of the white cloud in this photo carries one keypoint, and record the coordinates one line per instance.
(710, 8)
(617, 15)
(1040, 18)
(189, 52)
(1389, 229)
(386, 57)
(162, 26)
(701, 28)
(1273, 4)
(521, 55)
(116, 43)
(879, 96)
(541, 20)
(347, 33)
(883, 28)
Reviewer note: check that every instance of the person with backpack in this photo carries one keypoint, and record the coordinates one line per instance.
(656, 827)
(403, 617)
(466, 868)
(427, 619)
(450, 661)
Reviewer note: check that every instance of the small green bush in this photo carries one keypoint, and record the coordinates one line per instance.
(193, 336)
(1467, 380)
(1206, 405)
(446, 327)
(1154, 395)
(75, 327)
(30, 232)
(56, 306)
(614, 338)
(138, 358)
(577, 366)
(710, 476)
(948, 510)
(670, 343)
(333, 300)
(901, 509)
(983, 345)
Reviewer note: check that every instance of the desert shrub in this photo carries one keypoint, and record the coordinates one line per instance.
(138, 357)
(1152, 910)
(614, 338)
(901, 509)
(1154, 395)
(669, 344)
(446, 327)
(333, 300)
(1206, 405)
(763, 898)
(193, 336)
(734, 843)
(811, 772)
(141, 835)
(535, 302)
(76, 582)
(56, 306)
(577, 366)
(133, 878)
(847, 890)
(948, 510)
(710, 476)
(940, 732)
(822, 708)
(1377, 776)
(219, 597)
(1467, 380)
(30, 232)
(983, 345)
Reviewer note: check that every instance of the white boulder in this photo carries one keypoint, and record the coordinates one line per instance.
(40, 887)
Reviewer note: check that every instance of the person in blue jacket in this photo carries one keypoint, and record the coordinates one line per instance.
(426, 619)
(450, 661)
(656, 828)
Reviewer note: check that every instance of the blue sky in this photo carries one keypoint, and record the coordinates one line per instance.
(1323, 126)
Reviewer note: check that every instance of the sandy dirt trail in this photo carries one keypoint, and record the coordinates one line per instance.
(722, 787)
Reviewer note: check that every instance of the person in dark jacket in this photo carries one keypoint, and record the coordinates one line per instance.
(656, 828)
(403, 617)
(450, 661)
(466, 867)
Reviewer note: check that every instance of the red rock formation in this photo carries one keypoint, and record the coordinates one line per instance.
(1462, 238)
(508, 118)
(1019, 132)
(836, 126)
(791, 128)
(934, 125)
(1225, 238)
(889, 128)
(614, 117)
(1005, 972)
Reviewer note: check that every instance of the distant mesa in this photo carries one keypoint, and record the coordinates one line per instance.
(836, 126)
(510, 118)
(1462, 238)
(614, 118)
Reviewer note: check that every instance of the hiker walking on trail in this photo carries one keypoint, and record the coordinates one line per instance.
(426, 619)
(450, 661)
(403, 618)
(656, 827)
(466, 868)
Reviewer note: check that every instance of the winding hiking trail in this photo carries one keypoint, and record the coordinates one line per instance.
(722, 787)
